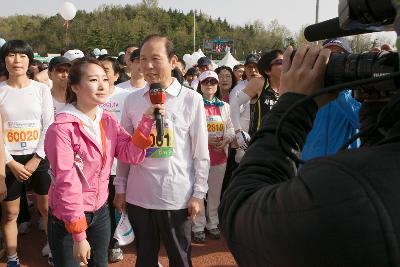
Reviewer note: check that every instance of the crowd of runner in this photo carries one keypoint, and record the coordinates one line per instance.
(80, 133)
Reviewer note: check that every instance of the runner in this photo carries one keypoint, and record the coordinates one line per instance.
(58, 73)
(114, 105)
(220, 135)
(81, 145)
(27, 111)
(137, 80)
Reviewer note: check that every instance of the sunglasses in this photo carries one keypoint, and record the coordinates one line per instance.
(209, 81)
(278, 61)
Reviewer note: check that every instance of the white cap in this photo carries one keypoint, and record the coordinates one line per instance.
(73, 54)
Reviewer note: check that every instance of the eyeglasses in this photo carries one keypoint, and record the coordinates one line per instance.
(277, 61)
(61, 70)
(209, 81)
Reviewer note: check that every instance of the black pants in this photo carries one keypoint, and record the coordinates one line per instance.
(111, 194)
(171, 226)
(231, 166)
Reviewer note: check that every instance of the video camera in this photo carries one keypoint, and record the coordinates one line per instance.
(359, 17)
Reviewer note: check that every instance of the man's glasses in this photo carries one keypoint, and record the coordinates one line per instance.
(209, 81)
(61, 70)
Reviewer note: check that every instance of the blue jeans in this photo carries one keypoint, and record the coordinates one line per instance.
(98, 236)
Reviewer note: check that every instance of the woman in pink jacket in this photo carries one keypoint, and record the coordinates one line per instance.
(81, 146)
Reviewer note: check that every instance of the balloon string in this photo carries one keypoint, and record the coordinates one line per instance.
(66, 24)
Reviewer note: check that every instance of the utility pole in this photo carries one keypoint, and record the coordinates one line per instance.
(194, 31)
(317, 12)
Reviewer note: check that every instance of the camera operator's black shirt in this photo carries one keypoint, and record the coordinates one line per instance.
(342, 210)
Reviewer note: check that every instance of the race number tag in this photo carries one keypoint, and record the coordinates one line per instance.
(215, 126)
(165, 148)
(22, 135)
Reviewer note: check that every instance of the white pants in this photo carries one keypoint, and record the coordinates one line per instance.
(209, 217)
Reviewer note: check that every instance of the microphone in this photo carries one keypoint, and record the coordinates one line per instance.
(157, 96)
(329, 29)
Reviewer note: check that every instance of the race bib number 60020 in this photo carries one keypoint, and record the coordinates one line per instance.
(163, 148)
(22, 135)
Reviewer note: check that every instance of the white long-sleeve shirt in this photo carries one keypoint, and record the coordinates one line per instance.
(27, 113)
(176, 170)
(244, 109)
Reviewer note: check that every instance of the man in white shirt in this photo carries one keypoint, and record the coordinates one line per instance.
(114, 104)
(137, 80)
(165, 192)
(240, 113)
(58, 73)
(203, 64)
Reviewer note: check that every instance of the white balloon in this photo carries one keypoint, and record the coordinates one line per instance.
(2, 42)
(186, 57)
(196, 56)
(103, 52)
(96, 52)
(201, 53)
(68, 11)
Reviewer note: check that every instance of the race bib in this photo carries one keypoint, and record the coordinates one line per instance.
(22, 135)
(165, 147)
(215, 126)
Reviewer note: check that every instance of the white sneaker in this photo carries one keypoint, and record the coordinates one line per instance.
(41, 224)
(115, 255)
(46, 250)
(23, 228)
(50, 260)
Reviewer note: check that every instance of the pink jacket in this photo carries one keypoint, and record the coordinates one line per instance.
(80, 167)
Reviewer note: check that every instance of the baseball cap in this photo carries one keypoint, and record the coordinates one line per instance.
(135, 54)
(73, 54)
(340, 42)
(56, 61)
(208, 74)
(251, 58)
(203, 61)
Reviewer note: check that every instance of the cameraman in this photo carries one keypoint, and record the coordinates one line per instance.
(341, 210)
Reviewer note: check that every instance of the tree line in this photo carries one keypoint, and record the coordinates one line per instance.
(114, 26)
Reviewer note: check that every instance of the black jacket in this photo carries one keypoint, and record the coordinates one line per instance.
(342, 210)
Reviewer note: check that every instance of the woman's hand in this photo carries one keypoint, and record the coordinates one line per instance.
(19, 171)
(150, 111)
(222, 144)
(81, 251)
(33, 164)
(213, 141)
(119, 202)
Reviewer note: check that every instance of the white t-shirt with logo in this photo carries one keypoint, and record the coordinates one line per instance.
(115, 105)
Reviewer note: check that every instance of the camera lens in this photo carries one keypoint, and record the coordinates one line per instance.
(350, 67)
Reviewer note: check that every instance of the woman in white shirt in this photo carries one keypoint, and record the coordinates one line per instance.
(27, 110)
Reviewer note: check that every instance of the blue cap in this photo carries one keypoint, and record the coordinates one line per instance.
(203, 61)
(340, 42)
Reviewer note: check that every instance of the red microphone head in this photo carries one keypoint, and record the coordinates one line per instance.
(157, 94)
